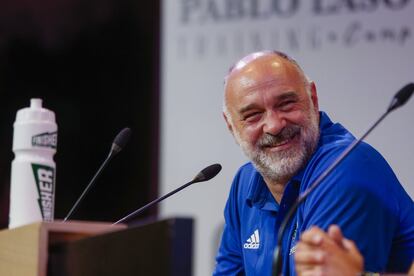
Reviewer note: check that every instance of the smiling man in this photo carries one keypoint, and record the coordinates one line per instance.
(271, 108)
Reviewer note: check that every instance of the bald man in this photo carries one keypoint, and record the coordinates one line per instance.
(271, 108)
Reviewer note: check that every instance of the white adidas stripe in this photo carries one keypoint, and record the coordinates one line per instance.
(256, 235)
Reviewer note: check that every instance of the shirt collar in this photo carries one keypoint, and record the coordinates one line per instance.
(258, 190)
(259, 195)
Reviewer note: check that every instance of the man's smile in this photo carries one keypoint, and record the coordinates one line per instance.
(282, 141)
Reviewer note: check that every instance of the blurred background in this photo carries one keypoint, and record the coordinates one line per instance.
(158, 68)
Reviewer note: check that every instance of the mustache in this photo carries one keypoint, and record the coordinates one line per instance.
(268, 140)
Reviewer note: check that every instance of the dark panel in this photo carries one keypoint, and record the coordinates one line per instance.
(95, 63)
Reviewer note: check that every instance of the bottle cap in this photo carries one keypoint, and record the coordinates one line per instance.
(35, 112)
(35, 127)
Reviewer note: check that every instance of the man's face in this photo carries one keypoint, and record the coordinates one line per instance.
(273, 115)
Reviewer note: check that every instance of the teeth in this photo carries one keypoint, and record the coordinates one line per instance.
(272, 141)
(279, 144)
(282, 143)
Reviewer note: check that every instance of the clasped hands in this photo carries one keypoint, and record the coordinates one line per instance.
(327, 253)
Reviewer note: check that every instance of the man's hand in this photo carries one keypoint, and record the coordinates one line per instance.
(320, 253)
(411, 272)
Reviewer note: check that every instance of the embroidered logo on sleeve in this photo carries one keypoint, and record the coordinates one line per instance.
(253, 242)
(293, 240)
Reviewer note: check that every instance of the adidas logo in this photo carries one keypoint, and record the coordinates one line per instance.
(253, 242)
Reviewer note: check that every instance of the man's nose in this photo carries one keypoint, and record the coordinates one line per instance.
(273, 123)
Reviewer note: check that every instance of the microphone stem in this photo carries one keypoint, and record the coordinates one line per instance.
(277, 260)
(90, 185)
(339, 159)
(142, 209)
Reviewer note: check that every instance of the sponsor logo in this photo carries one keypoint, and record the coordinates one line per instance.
(253, 242)
(46, 139)
(293, 239)
(194, 40)
(45, 183)
(218, 11)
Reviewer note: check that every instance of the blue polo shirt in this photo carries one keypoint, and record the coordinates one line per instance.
(362, 196)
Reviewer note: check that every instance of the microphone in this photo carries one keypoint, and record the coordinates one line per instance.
(207, 173)
(120, 141)
(204, 175)
(400, 98)
(118, 144)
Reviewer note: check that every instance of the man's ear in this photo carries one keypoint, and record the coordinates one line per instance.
(229, 126)
(314, 96)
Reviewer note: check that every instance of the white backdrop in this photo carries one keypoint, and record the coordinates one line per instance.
(359, 53)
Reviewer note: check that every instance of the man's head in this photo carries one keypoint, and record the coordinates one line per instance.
(271, 109)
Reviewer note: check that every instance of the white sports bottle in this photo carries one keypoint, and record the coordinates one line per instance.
(33, 173)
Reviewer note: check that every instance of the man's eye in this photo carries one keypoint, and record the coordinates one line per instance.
(252, 117)
(286, 106)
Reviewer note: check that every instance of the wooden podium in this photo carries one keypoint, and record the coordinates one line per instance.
(97, 249)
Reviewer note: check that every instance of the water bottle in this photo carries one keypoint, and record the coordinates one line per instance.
(33, 173)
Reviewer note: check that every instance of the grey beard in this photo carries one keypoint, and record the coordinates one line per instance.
(279, 166)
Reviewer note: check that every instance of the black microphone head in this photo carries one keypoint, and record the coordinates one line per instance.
(121, 140)
(207, 173)
(401, 97)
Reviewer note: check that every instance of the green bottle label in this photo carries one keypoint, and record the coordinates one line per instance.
(45, 183)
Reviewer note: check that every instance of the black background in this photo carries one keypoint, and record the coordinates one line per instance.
(95, 64)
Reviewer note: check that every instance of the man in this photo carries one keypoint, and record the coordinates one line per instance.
(272, 110)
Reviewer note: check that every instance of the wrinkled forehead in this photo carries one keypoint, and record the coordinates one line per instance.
(261, 70)
(242, 63)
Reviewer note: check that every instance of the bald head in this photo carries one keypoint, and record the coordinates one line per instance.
(256, 55)
(261, 68)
